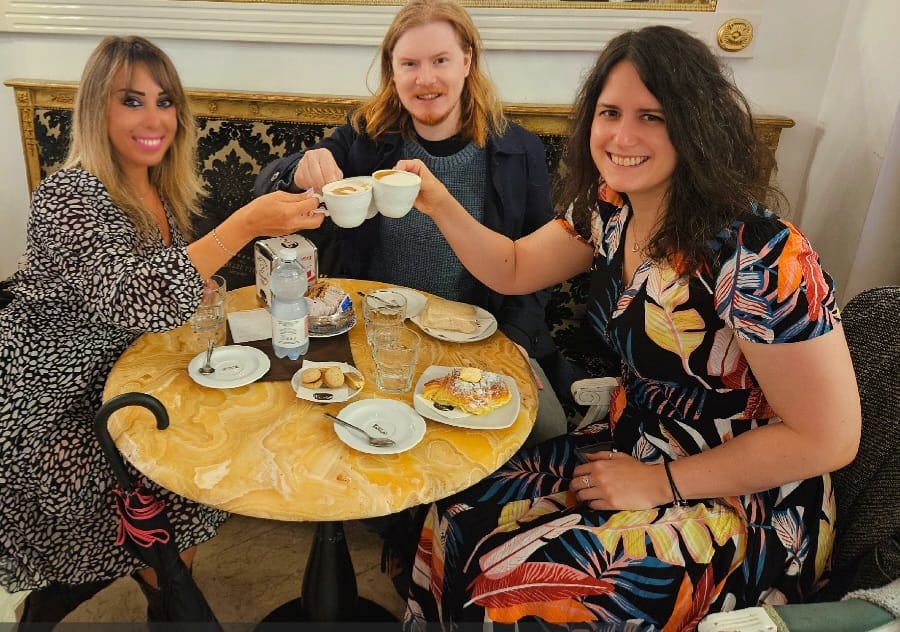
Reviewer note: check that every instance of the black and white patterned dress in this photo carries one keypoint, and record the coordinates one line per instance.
(92, 285)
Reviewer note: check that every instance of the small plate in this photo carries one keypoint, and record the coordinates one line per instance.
(329, 332)
(498, 418)
(325, 395)
(484, 320)
(415, 301)
(381, 418)
(235, 365)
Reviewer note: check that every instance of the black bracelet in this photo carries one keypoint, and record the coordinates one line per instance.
(677, 498)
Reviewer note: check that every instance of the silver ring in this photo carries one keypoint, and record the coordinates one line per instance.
(586, 480)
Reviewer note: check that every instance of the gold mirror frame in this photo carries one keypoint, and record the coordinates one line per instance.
(644, 5)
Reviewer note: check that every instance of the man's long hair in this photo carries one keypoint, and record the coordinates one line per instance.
(176, 176)
(481, 109)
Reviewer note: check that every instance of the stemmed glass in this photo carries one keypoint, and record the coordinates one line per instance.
(210, 316)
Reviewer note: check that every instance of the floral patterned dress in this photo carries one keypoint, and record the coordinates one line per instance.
(518, 546)
(92, 285)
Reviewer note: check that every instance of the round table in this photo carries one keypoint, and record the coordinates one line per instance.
(260, 451)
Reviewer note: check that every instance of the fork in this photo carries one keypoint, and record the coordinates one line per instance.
(378, 442)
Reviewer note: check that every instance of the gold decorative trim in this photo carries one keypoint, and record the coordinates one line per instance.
(31, 95)
(648, 5)
(734, 35)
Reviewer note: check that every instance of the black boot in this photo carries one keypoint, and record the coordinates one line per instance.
(155, 609)
(47, 606)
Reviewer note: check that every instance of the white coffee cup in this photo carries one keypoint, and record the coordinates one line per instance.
(347, 201)
(395, 191)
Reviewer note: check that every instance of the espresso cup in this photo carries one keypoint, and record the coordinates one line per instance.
(347, 201)
(395, 191)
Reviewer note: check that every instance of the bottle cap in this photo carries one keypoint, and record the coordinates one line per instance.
(288, 254)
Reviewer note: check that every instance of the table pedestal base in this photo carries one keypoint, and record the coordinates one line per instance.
(365, 611)
(329, 585)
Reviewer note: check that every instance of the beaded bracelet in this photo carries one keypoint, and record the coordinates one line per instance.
(221, 245)
(677, 498)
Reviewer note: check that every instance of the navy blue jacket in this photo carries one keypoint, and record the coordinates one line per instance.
(517, 203)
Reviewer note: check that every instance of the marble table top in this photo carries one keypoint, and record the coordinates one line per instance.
(259, 450)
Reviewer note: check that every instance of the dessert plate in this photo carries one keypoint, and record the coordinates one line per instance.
(498, 418)
(326, 395)
(235, 365)
(484, 320)
(386, 418)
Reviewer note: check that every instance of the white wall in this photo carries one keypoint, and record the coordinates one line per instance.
(789, 73)
(852, 197)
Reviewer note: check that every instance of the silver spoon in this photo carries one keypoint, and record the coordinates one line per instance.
(207, 368)
(377, 442)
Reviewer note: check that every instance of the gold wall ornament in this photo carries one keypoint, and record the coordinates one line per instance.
(734, 35)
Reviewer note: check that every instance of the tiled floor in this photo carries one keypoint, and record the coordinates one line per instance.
(249, 569)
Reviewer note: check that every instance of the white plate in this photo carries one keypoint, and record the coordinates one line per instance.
(498, 418)
(235, 365)
(381, 418)
(484, 320)
(415, 301)
(339, 394)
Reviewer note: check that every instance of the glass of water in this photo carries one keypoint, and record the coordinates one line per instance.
(207, 321)
(396, 352)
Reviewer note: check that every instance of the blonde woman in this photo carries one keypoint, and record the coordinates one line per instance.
(109, 258)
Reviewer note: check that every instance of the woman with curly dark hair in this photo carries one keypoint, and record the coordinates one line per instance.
(737, 393)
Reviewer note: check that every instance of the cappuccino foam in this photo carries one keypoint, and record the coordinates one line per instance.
(397, 178)
(348, 189)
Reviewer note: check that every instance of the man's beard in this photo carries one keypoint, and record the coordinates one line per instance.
(435, 118)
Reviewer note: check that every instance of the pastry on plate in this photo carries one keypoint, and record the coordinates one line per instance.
(475, 391)
(440, 313)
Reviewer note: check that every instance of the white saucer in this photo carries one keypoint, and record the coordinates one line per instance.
(325, 395)
(235, 365)
(381, 418)
(484, 320)
(498, 418)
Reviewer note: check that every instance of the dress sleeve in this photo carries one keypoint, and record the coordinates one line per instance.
(77, 234)
(772, 289)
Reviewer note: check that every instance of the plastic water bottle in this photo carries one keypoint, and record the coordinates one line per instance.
(290, 313)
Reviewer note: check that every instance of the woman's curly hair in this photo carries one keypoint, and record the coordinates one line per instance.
(722, 164)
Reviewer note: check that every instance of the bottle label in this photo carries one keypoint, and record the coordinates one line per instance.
(288, 334)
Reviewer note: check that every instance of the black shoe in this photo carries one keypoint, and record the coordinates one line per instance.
(47, 606)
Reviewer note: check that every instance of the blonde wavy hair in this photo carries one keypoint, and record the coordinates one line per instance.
(482, 110)
(175, 177)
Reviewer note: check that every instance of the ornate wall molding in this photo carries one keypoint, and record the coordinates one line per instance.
(508, 28)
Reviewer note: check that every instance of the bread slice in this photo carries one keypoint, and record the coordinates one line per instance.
(440, 313)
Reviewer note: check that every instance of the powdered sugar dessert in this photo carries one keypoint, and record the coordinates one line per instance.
(470, 389)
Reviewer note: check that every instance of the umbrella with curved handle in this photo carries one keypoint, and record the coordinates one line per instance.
(102, 430)
(145, 530)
